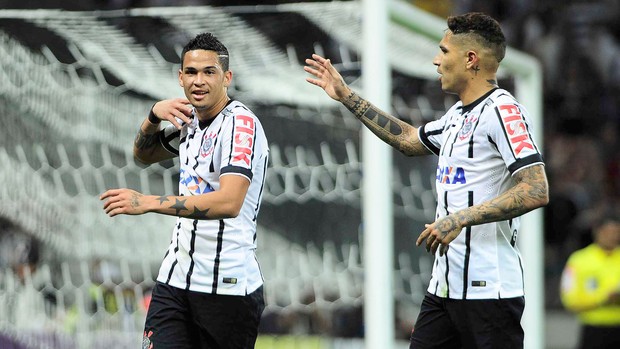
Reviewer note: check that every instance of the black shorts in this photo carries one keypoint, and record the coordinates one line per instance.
(451, 323)
(179, 319)
(599, 337)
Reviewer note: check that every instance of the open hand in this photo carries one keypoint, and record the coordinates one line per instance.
(123, 201)
(326, 77)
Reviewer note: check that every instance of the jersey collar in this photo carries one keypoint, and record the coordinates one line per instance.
(472, 105)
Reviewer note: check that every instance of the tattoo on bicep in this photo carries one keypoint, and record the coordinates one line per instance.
(145, 140)
(537, 181)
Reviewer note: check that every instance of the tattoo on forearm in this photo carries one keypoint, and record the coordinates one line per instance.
(179, 206)
(387, 127)
(356, 105)
(198, 214)
(163, 199)
(375, 119)
(145, 140)
(504, 207)
(513, 202)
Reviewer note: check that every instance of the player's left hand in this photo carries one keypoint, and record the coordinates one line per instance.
(439, 234)
(123, 201)
(326, 77)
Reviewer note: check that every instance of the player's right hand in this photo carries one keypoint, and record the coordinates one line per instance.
(173, 110)
(123, 201)
(439, 234)
(326, 77)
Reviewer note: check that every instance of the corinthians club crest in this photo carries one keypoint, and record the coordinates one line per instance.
(468, 127)
(208, 144)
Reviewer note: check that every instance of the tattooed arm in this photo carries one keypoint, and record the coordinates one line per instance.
(530, 192)
(223, 203)
(388, 128)
(147, 147)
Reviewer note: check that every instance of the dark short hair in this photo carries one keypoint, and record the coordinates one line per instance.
(486, 30)
(208, 42)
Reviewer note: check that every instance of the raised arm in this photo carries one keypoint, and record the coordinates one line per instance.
(223, 203)
(530, 192)
(147, 146)
(388, 128)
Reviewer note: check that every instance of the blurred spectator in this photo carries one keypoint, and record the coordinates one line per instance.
(20, 253)
(591, 286)
(441, 8)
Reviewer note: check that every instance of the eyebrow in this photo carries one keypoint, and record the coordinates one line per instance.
(207, 67)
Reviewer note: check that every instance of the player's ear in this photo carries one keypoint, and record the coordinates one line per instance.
(228, 78)
(473, 61)
(180, 77)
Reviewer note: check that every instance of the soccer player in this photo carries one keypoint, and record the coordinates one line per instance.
(209, 289)
(591, 286)
(489, 172)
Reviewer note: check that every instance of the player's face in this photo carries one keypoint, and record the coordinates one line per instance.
(204, 81)
(451, 65)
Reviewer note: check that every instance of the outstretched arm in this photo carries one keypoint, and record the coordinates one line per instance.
(223, 203)
(530, 192)
(388, 128)
(147, 148)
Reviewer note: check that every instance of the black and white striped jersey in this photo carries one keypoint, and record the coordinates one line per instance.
(480, 146)
(217, 256)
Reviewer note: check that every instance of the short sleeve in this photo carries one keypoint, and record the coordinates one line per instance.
(432, 133)
(239, 145)
(511, 132)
